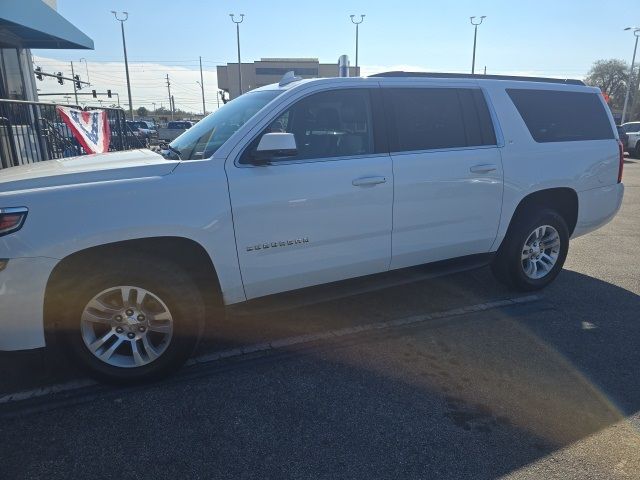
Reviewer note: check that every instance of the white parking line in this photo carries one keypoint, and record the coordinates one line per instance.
(281, 343)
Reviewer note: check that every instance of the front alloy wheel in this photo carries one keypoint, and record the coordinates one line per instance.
(126, 326)
(130, 317)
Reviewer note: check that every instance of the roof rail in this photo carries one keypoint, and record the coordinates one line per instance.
(567, 81)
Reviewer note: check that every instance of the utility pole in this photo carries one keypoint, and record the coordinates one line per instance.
(154, 106)
(86, 66)
(170, 97)
(636, 33)
(475, 36)
(204, 108)
(233, 19)
(173, 106)
(126, 62)
(75, 90)
(357, 24)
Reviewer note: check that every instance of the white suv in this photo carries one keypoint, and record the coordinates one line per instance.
(124, 255)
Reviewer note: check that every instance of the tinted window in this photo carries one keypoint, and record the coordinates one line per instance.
(631, 127)
(431, 118)
(555, 116)
(328, 124)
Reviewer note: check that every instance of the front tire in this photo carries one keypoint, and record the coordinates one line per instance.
(137, 318)
(534, 250)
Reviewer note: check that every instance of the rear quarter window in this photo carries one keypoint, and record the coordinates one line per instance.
(556, 116)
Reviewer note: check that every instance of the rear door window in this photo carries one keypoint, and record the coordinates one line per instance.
(556, 116)
(436, 118)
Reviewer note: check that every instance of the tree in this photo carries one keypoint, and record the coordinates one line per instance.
(142, 112)
(612, 77)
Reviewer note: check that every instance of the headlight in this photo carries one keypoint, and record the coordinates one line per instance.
(12, 219)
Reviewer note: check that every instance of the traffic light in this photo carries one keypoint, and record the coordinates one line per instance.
(39, 73)
(94, 93)
(78, 84)
(60, 79)
(109, 93)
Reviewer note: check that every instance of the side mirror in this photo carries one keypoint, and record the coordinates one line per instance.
(273, 145)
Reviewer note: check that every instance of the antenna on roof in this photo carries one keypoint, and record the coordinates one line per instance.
(288, 78)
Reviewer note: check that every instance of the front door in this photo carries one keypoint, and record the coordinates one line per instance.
(320, 216)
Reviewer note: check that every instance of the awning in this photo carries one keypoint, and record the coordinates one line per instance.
(33, 24)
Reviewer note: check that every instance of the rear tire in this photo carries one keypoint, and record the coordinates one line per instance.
(635, 152)
(136, 318)
(533, 251)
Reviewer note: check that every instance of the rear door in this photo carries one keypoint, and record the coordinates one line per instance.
(323, 215)
(447, 172)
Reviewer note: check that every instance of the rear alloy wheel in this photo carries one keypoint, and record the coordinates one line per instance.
(137, 319)
(534, 250)
(540, 252)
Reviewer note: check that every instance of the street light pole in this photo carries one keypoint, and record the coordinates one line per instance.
(475, 37)
(238, 22)
(636, 33)
(126, 63)
(357, 24)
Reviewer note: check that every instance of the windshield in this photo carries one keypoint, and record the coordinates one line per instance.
(208, 135)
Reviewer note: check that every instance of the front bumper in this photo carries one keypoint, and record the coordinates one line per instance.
(22, 287)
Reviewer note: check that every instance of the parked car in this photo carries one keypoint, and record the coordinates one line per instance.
(173, 130)
(632, 144)
(296, 185)
(142, 128)
(631, 127)
(624, 138)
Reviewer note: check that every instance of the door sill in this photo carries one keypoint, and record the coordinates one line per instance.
(355, 286)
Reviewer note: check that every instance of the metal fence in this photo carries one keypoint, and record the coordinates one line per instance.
(33, 131)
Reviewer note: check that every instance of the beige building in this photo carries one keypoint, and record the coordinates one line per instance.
(270, 70)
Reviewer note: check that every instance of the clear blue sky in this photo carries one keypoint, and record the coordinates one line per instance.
(556, 38)
(552, 37)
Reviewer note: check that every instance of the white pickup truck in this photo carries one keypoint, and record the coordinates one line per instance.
(125, 255)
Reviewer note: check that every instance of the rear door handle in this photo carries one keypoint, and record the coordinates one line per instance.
(366, 181)
(489, 167)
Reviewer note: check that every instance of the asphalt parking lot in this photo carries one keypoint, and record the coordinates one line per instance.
(548, 387)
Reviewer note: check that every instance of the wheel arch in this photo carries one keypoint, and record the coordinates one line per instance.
(564, 200)
(184, 252)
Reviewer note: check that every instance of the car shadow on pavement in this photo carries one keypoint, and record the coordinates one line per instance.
(537, 390)
(549, 384)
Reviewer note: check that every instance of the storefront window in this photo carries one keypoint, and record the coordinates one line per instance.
(11, 78)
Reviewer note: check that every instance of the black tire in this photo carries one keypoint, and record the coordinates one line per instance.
(635, 152)
(508, 266)
(166, 281)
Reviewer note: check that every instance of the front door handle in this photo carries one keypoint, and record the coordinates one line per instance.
(486, 168)
(366, 181)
